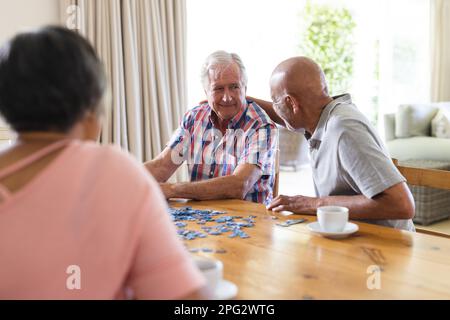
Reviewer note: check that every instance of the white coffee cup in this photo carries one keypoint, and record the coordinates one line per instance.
(211, 269)
(332, 218)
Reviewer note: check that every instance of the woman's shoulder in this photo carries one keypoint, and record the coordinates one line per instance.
(113, 174)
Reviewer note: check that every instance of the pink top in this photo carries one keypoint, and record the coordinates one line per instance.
(94, 219)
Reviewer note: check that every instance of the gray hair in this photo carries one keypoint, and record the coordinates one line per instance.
(219, 58)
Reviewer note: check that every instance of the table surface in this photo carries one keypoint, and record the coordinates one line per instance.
(292, 263)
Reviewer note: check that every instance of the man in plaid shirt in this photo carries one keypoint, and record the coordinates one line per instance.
(228, 143)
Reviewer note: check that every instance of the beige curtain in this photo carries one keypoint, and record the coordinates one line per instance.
(440, 46)
(143, 46)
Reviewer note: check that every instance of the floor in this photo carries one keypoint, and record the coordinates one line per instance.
(441, 226)
(296, 182)
(300, 182)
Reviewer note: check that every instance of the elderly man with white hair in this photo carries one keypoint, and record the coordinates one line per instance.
(228, 142)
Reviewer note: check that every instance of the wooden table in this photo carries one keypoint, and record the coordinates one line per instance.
(292, 263)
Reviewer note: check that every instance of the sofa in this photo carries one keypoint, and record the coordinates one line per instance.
(419, 131)
(418, 135)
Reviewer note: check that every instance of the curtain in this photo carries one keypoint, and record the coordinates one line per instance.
(440, 46)
(142, 44)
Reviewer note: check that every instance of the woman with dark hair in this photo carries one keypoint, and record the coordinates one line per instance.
(77, 220)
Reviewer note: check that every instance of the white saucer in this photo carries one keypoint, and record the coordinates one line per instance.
(349, 229)
(225, 290)
(179, 200)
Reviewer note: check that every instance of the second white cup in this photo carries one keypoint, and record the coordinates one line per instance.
(211, 269)
(332, 218)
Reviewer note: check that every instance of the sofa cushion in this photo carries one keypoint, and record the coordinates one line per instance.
(427, 148)
(440, 125)
(414, 120)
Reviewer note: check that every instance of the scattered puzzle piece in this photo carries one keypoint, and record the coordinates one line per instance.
(289, 223)
(224, 224)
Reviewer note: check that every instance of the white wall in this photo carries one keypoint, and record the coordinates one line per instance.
(19, 15)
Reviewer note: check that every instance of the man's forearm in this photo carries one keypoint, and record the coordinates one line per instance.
(229, 187)
(361, 207)
(268, 108)
(158, 170)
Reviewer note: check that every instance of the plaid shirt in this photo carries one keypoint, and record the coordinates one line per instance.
(251, 137)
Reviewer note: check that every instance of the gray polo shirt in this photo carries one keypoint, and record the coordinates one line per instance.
(349, 158)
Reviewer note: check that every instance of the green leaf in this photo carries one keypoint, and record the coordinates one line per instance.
(327, 38)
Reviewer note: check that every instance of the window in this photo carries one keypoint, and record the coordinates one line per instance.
(262, 32)
(391, 62)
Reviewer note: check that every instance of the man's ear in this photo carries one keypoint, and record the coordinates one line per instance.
(292, 103)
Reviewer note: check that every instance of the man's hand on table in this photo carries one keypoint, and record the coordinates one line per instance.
(296, 204)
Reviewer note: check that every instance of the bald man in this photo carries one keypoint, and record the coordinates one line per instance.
(351, 166)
